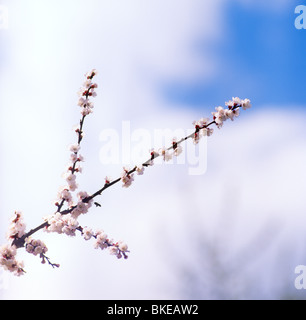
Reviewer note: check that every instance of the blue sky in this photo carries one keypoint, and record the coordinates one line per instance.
(262, 56)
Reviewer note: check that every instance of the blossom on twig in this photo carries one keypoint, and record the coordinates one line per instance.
(127, 177)
(17, 227)
(70, 205)
(8, 260)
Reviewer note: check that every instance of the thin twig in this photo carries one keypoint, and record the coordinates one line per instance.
(20, 242)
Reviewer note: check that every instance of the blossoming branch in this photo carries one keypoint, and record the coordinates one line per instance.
(71, 203)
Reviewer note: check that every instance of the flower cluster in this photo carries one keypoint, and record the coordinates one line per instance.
(219, 116)
(165, 154)
(82, 207)
(8, 252)
(68, 223)
(64, 194)
(237, 102)
(65, 222)
(16, 234)
(61, 224)
(35, 247)
(88, 90)
(201, 129)
(127, 177)
(17, 227)
(8, 260)
(118, 249)
(233, 105)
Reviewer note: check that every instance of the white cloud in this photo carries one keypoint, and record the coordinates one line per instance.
(255, 177)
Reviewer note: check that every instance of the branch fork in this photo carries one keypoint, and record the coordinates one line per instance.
(69, 206)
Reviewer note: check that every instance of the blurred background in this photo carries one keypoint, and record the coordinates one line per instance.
(236, 232)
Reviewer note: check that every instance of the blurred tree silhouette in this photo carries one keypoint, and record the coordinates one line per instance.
(218, 266)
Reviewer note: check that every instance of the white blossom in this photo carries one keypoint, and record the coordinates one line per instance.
(74, 148)
(64, 194)
(87, 233)
(196, 137)
(166, 154)
(219, 116)
(178, 150)
(76, 212)
(123, 246)
(91, 74)
(113, 250)
(86, 111)
(107, 180)
(55, 223)
(81, 101)
(85, 103)
(62, 224)
(233, 103)
(201, 123)
(82, 207)
(17, 226)
(8, 260)
(73, 157)
(231, 113)
(73, 186)
(207, 131)
(69, 177)
(8, 252)
(71, 180)
(87, 83)
(70, 225)
(35, 247)
(78, 169)
(140, 170)
(101, 238)
(176, 147)
(88, 90)
(127, 178)
(236, 101)
(246, 104)
(82, 195)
